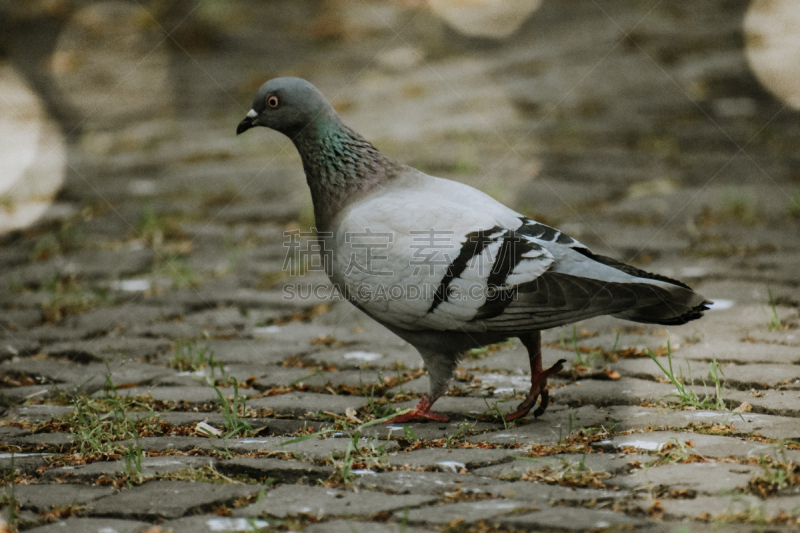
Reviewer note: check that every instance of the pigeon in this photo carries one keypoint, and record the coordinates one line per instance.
(444, 266)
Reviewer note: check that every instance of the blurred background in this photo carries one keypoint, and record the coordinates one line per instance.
(657, 131)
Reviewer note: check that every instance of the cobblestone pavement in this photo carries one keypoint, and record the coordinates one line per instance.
(162, 270)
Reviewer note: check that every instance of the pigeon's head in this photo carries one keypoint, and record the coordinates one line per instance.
(287, 105)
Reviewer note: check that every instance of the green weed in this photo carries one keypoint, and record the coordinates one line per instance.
(316, 373)
(367, 456)
(175, 268)
(232, 254)
(98, 426)
(96, 433)
(675, 451)
(740, 208)
(658, 142)
(569, 475)
(591, 358)
(345, 466)
(404, 522)
(188, 356)
(687, 396)
(68, 238)
(410, 434)
(478, 353)
(69, 297)
(9, 499)
(461, 430)
(209, 474)
(794, 206)
(230, 412)
(379, 408)
(753, 514)
(776, 475)
(132, 456)
(494, 408)
(585, 358)
(45, 247)
(573, 417)
(370, 455)
(358, 428)
(150, 227)
(774, 323)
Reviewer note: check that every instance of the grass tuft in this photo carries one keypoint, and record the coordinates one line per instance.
(777, 475)
(687, 396)
(774, 323)
(569, 475)
(189, 356)
(794, 206)
(230, 411)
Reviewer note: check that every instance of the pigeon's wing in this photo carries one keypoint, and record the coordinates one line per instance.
(437, 255)
(432, 255)
(580, 284)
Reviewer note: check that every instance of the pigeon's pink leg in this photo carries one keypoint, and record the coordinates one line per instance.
(538, 378)
(422, 411)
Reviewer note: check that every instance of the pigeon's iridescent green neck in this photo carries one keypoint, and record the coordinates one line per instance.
(340, 167)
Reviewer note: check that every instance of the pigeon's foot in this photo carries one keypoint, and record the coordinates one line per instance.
(421, 412)
(538, 389)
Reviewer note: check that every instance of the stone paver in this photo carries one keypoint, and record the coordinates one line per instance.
(702, 478)
(578, 519)
(447, 460)
(730, 505)
(44, 497)
(151, 466)
(352, 526)
(25, 463)
(315, 449)
(702, 445)
(600, 462)
(429, 482)
(90, 377)
(211, 523)
(93, 525)
(44, 439)
(627, 418)
(627, 391)
(102, 347)
(740, 377)
(286, 471)
(301, 403)
(322, 502)
(647, 138)
(550, 428)
(37, 412)
(192, 394)
(527, 491)
(168, 499)
(470, 511)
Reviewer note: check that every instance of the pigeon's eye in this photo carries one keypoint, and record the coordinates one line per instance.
(272, 101)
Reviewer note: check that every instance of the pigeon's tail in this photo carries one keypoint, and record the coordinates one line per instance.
(667, 313)
(678, 303)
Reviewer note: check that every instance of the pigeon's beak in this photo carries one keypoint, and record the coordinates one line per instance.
(248, 122)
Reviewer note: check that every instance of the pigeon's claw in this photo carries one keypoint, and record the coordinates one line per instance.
(538, 390)
(421, 412)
